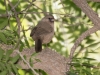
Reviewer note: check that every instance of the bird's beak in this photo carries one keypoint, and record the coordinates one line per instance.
(52, 19)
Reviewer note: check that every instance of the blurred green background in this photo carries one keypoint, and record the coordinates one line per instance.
(70, 23)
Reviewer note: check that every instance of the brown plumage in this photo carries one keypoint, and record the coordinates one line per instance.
(43, 32)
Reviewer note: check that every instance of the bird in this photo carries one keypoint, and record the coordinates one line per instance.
(43, 32)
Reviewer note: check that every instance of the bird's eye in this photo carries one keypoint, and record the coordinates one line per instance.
(51, 19)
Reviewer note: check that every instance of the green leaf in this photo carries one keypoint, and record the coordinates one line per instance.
(88, 58)
(34, 54)
(71, 73)
(3, 72)
(98, 64)
(27, 43)
(42, 72)
(44, 7)
(93, 45)
(8, 33)
(21, 46)
(3, 24)
(38, 60)
(77, 64)
(2, 65)
(87, 65)
(13, 27)
(1, 53)
(14, 68)
(31, 62)
(97, 73)
(21, 72)
(87, 72)
(3, 38)
(26, 39)
(15, 32)
(8, 68)
(15, 59)
(8, 53)
(50, 8)
(39, 15)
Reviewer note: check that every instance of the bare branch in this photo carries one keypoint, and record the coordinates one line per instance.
(82, 4)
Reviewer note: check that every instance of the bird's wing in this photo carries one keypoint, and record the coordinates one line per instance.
(33, 31)
(42, 31)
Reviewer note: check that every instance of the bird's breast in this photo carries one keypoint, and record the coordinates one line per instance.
(47, 38)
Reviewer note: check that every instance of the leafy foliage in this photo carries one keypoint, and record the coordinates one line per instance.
(71, 23)
(8, 63)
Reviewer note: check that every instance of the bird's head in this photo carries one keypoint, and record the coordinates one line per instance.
(49, 18)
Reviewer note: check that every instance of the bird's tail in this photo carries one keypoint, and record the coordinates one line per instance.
(38, 45)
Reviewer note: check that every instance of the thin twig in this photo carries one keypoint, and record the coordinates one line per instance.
(17, 51)
(18, 21)
(16, 4)
(16, 16)
(22, 12)
(63, 6)
(8, 16)
(33, 5)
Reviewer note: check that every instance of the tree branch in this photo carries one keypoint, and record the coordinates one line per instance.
(50, 61)
(82, 4)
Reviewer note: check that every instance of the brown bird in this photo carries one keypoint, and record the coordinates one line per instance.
(43, 32)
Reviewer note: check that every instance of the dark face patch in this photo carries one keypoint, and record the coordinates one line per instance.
(51, 19)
